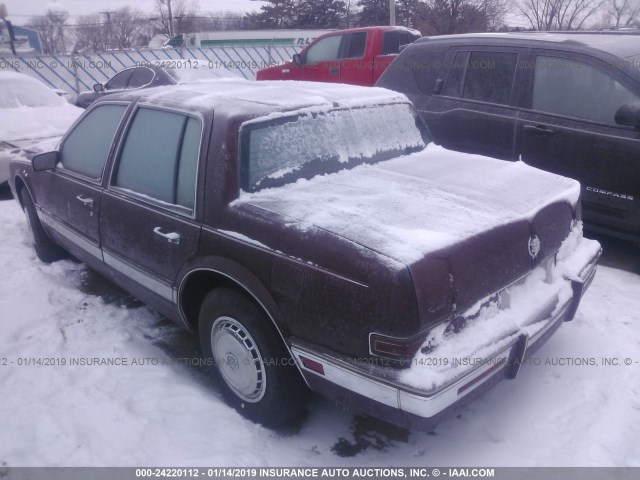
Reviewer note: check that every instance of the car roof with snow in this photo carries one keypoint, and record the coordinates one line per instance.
(243, 97)
(622, 44)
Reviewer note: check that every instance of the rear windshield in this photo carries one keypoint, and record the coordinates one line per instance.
(283, 150)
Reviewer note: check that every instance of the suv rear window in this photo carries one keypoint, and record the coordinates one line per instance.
(280, 151)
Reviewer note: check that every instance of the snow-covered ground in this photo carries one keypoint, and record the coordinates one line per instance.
(566, 411)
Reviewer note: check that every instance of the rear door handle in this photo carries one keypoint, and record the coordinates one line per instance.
(86, 201)
(538, 130)
(172, 237)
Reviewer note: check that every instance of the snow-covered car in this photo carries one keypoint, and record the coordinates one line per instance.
(155, 74)
(314, 237)
(30, 113)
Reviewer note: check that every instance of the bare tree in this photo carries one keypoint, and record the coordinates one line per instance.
(91, 34)
(51, 28)
(126, 27)
(184, 15)
(621, 13)
(559, 14)
(574, 14)
(350, 13)
(441, 17)
(495, 12)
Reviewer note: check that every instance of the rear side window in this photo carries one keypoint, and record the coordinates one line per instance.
(357, 44)
(140, 77)
(86, 148)
(577, 89)
(390, 43)
(160, 156)
(426, 69)
(483, 76)
(120, 80)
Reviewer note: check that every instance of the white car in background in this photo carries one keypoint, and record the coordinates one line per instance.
(32, 117)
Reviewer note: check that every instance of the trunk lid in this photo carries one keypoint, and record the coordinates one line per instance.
(464, 225)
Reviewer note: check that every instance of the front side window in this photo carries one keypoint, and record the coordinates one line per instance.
(577, 89)
(484, 76)
(86, 148)
(160, 156)
(489, 76)
(326, 50)
(276, 152)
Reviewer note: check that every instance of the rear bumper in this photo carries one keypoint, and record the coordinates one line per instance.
(420, 395)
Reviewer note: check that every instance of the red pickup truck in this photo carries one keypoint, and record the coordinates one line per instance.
(357, 56)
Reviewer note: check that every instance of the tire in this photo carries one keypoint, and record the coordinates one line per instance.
(46, 250)
(249, 360)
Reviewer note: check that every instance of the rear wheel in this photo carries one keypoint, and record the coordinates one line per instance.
(257, 375)
(46, 250)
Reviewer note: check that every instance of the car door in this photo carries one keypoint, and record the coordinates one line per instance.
(321, 61)
(354, 69)
(148, 221)
(70, 195)
(474, 110)
(567, 126)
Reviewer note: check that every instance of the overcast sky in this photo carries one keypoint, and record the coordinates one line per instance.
(20, 10)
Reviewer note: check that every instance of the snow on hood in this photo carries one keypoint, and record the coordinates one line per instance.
(412, 205)
(24, 123)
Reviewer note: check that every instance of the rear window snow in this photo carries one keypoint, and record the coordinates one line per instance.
(281, 150)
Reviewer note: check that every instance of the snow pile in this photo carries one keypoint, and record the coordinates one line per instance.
(28, 109)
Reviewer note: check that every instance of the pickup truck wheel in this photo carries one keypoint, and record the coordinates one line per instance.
(46, 250)
(257, 375)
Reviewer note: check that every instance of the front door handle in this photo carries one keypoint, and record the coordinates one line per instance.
(86, 201)
(538, 130)
(334, 70)
(172, 237)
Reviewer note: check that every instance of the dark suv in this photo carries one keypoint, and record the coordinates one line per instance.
(566, 103)
(312, 234)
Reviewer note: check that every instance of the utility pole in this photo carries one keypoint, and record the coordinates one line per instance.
(108, 14)
(7, 23)
(392, 12)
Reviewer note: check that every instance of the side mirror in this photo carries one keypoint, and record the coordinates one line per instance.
(629, 115)
(98, 87)
(297, 60)
(44, 161)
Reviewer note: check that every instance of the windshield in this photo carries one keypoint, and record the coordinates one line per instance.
(280, 151)
(26, 92)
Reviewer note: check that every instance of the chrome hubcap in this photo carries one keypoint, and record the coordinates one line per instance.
(238, 359)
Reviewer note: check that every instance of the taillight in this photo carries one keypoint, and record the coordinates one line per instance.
(397, 349)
